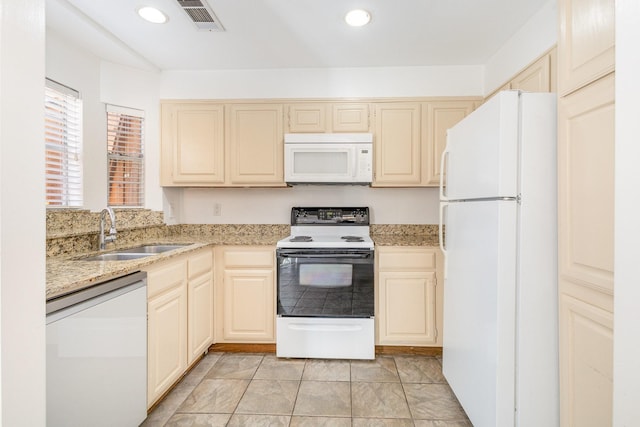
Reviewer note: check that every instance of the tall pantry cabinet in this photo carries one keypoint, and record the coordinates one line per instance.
(586, 111)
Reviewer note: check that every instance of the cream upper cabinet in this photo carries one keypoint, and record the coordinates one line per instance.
(320, 117)
(438, 117)
(245, 294)
(398, 153)
(307, 117)
(192, 144)
(350, 117)
(587, 42)
(408, 300)
(255, 144)
(538, 77)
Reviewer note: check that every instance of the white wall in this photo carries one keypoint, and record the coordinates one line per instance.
(138, 89)
(537, 36)
(323, 83)
(22, 214)
(101, 82)
(273, 205)
(626, 371)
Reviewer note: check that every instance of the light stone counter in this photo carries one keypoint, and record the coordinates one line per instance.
(65, 274)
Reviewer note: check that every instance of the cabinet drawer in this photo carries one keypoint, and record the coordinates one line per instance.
(248, 258)
(163, 277)
(200, 263)
(407, 259)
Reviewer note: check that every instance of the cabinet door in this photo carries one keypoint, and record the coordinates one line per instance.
(200, 326)
(586, 152)
(307, 117)
(192, 144)
(536, 77)
(397, 145)
(586, 42)
(256, 144)
(586, 363)
(586, 185)
(407, 308)
(440, 116)
(249, 306)
(167, 340)
(350, 117)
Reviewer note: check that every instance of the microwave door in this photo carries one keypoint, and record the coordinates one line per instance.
(320, 163)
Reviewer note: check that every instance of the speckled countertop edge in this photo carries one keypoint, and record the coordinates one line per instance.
(67, 274)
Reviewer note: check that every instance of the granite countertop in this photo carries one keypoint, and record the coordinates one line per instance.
(66, 274)
(405, 240)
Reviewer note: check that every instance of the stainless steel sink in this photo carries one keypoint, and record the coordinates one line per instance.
(151, 249)
(133, 253)
(115, 256)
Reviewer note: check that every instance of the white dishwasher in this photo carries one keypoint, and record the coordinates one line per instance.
(97, 355)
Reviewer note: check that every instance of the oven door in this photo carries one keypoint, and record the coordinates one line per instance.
(325, 283)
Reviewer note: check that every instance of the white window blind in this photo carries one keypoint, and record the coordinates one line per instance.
(125, 153)
(63, 145)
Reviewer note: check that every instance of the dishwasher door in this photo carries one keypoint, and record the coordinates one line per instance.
(97, 355)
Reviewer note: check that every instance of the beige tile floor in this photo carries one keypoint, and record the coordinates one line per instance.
(247, 389)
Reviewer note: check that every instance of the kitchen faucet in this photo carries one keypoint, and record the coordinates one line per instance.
(112, 230)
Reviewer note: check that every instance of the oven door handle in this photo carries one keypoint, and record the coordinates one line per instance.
(341, 256)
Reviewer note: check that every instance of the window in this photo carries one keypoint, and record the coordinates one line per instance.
(125, 136)
(63, 145)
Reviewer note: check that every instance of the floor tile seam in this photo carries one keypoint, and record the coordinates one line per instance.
(295, 401)
(248, 384)
(406, 400)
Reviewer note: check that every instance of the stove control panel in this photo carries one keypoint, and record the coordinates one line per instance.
(330, 216)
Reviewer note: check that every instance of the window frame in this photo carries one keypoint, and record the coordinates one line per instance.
(126, 130)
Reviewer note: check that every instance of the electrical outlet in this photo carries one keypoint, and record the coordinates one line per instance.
(217, 209)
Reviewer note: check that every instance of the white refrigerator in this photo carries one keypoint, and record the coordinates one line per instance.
(499, 236)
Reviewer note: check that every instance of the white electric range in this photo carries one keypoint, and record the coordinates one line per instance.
(326, 285)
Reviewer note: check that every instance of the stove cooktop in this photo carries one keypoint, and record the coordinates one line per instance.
(328, 228)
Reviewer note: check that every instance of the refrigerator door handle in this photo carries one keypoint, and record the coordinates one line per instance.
(443, 173)
(443, 205)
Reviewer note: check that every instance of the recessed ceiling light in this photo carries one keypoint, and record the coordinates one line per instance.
(152, 14)
(357, 18)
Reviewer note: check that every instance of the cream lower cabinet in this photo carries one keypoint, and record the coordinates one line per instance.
(245, 294)
(200, 304)
(408, 298)
(166, 326)
(179, 318)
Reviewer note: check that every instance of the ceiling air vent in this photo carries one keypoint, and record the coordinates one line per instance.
(201, 15)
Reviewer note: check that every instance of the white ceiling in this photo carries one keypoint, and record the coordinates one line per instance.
(294, 33)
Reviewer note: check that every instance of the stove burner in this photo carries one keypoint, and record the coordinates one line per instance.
(352, 238)
(301, 239)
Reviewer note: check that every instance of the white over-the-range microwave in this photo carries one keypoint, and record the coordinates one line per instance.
(328, 158)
